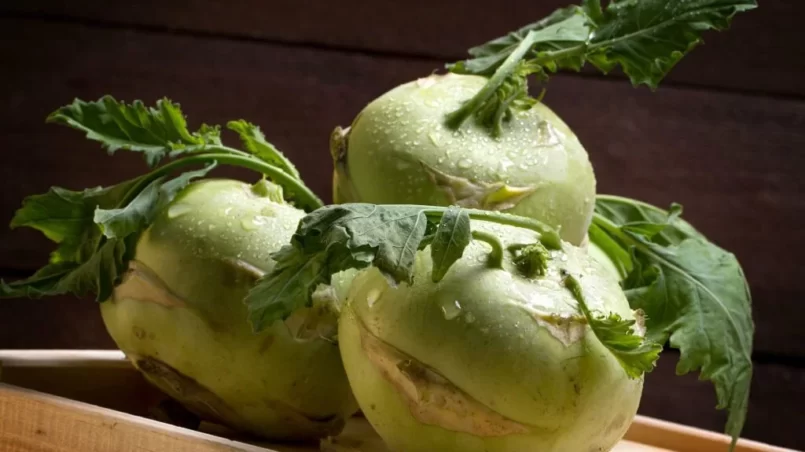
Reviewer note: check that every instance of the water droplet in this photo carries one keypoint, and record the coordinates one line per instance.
(451, 309)
(505, 164)
(434, 138)
(469, 318)
(248, 224)
(178, 210)
(464, 163)
(227, 210)
(211, 227)
(372, 297)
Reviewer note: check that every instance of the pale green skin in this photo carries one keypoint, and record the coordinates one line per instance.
(267, 384)
(573, 397)
(601, 257)
(403, 128)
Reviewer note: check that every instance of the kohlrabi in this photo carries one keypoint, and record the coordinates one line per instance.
(475, 138)
(469, 330)
(170, 260)
(400, 150)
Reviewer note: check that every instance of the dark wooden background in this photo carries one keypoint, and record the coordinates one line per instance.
(724, 136)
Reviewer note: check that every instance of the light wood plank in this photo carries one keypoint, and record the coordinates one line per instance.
(646, 434)
(671, 436)
(31, 421)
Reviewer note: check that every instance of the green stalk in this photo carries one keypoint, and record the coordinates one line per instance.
(306, 198)
(548, 236)
(496, 256)
(457, 118)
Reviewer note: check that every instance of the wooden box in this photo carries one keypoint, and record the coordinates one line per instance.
(88, 401)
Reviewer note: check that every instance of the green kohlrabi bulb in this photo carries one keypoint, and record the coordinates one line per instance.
(488, 360)
(179, 316)
(398, 150)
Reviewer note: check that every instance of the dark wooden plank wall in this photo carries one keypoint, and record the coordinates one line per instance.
(723, 136)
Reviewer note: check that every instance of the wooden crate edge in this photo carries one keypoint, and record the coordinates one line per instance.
(31, 420)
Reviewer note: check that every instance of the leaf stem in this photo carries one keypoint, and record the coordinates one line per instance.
(306, 198)
(457, 118)
(548, 236)
(496, 256)
(607, 225)
(222, 148)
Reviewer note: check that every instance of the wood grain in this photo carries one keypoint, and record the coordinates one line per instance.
(42, 418)
(31, 421)
(732, 160)
(761, 52)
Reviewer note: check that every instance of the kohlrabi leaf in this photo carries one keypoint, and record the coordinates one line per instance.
(340, 237)
(636, 353)
(162, 131)
(66, 217)
(255, 142)
(296, 276)
(154, 131)
(97, 275)
(645, 38)
(664, 227)
(694, 295)
(452, 235)
(614, 250)
(332, 239)
(137, 214)
(564, 28)
(96, 231)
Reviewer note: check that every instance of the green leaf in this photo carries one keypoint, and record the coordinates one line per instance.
(295, 277)
(699, 300)
(663, 227)
(507, 89)
(451, 238)
(97, 231)
(647, 38)
(332, 239)
(614, 250)
(255, 142)
(636, 354)
(66, 217)
(97, 275)
(694, 294)
(134, 127)
(140, 212)
(563, 28)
